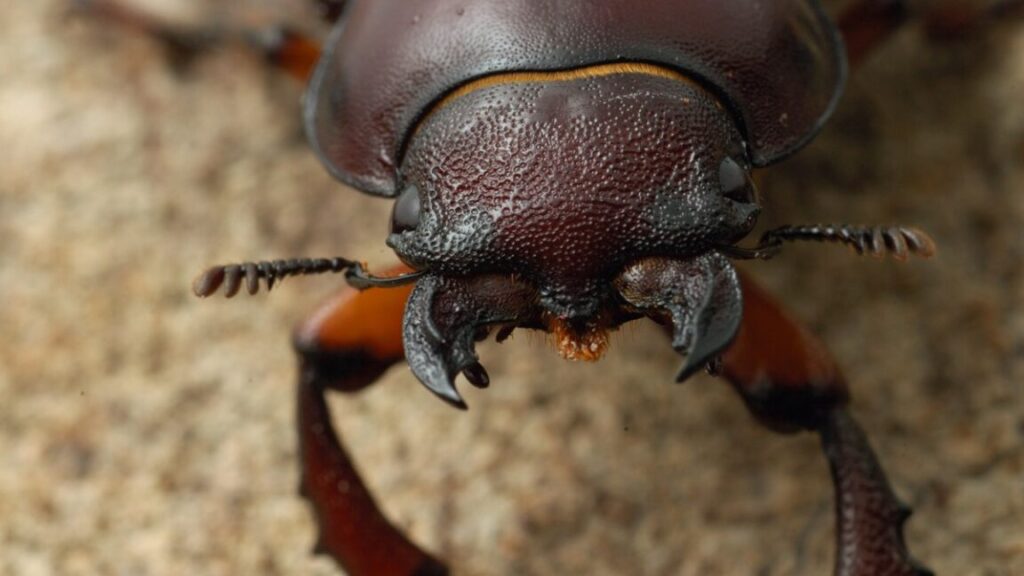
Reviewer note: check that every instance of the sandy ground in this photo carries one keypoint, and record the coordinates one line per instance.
(143, 432)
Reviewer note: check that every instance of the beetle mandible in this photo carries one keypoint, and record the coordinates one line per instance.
(570, 167)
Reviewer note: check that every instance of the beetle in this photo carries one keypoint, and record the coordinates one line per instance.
(507, 152)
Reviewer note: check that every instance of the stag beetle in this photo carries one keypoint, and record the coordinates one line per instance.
(591, 171)
(569, 167)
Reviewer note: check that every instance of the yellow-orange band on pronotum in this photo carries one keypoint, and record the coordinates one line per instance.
(586, 72)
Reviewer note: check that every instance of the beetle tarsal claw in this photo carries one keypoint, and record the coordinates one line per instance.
(441, 323)
(701, 297)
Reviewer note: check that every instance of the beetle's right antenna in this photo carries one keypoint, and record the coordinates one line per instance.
(898, 241)
(271, 272)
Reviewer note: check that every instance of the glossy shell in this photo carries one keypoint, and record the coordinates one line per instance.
(778, 65)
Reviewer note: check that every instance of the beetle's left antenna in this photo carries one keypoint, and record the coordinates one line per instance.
(231, 276)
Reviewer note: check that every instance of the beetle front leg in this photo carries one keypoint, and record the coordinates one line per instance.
(287, 49)
(953, 19)
(346, 345)
(292, 52)
(866, 24)
(790, 383)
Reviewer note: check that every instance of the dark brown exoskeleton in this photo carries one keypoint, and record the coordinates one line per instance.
(571, 166)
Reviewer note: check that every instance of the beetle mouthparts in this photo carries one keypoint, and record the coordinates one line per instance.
(588, 343)
(701, 298)
(231, 275)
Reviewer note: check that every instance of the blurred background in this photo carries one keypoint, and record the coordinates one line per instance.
(144, 432)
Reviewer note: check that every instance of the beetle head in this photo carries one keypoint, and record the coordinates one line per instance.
(572, 202)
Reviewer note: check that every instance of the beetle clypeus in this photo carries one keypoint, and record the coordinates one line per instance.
(570, 167)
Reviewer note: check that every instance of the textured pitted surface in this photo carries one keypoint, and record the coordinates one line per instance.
(144, 432)
(777, 63)
(563, 183)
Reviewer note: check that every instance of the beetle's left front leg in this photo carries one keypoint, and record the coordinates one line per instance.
(790, 383)
(289, 50)
(346, 345)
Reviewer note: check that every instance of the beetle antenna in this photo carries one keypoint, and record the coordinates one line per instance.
(898, 241)
(231, 276)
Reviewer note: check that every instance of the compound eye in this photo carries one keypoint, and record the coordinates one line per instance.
(735, 182)
(406, 214)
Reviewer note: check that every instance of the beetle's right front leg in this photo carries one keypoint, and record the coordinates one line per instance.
(866, 24)
(955, 19)
(346, 345)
